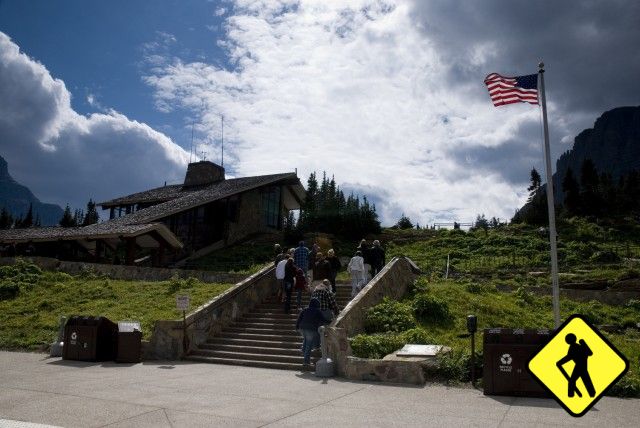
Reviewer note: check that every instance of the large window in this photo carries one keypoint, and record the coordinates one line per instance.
(271, 206)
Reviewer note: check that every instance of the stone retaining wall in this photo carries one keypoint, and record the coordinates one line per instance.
(391, 282)
(209, 319)
(608, 296)
(128, 273)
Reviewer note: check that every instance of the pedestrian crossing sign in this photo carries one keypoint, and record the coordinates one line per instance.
(577, 365)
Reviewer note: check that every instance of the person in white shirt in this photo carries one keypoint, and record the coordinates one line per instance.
(280, 276)
(357, 272)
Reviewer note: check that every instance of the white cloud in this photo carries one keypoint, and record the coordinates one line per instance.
(357, 89)
(65, 157)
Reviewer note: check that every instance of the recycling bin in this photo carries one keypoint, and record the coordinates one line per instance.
(88, 338)
(129, 342)
(506, 354)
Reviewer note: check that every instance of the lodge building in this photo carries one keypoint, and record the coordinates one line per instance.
(171, 222)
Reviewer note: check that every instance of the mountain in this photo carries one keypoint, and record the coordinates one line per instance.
(16, 199)
(613, 144)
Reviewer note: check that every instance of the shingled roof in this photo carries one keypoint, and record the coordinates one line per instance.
(94, 231)
(176, 199)
(159, 194)
(213, 192)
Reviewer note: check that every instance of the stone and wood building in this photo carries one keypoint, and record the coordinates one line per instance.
(171, 222)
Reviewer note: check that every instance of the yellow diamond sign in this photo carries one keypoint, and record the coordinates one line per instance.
(578, 365)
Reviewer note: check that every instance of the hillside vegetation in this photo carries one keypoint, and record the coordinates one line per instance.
(32, 300)
(512, 258)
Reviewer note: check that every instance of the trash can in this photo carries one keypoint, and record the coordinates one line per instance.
(88, 338)
(129, 342)
(506, 354)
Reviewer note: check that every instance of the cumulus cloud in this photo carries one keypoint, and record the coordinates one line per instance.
(357, 89)
(65, 157)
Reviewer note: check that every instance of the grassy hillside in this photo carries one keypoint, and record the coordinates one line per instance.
(31, 301)
(516, 258)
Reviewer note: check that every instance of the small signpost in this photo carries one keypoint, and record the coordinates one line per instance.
(182, 304)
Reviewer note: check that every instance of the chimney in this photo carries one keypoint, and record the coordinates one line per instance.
(203, 173)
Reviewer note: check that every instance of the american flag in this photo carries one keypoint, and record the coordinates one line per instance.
(508, 90)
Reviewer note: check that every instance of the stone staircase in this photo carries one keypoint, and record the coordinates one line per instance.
(264, 337)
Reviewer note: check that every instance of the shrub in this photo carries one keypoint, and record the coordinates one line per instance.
(9, 291)
(479, 288)
(604, 257)
(417, 336)
(630, 273)
(625, 387)
(428, 309)
(389, 315)
(633, 304)
(593, 311)
(524, 296)
(375, 345)
(456, 367)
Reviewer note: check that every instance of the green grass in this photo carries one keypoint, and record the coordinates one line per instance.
(30, 320)
(459, 298)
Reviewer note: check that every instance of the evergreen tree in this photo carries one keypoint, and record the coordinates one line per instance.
(6, 219)
(571, 190)
(589, 183)
(404, 223)
(28, 220)
(92, 216)
(536, 182)
(78, 217)
(481, 223)
(67, 219)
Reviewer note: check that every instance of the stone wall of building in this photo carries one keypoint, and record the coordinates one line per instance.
(209, 319)
(128, 273)
(392, 282)
(249, 218)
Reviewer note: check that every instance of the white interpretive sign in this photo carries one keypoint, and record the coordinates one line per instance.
(419, 350)
(182, 303)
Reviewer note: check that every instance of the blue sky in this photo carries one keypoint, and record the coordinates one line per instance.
(99, 98)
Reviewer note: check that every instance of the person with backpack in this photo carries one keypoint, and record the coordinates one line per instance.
(308, 323)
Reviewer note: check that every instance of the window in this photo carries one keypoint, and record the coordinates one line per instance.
(271, 206)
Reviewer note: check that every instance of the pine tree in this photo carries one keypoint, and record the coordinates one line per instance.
(536, 182)
(6, 219)
(67, 219)
(571, 190)
(28, 220)
(92, 216)
(481, 222)
(404, 223)
(78, 217)
(589, 183)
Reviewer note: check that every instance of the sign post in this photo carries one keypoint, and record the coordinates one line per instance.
(182, 304)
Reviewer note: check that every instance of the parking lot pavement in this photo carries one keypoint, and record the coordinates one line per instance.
(35, 389)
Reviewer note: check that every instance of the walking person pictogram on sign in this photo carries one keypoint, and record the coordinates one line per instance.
(578, 353)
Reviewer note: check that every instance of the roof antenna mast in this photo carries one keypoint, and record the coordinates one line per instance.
(222, 141)
(191, 148)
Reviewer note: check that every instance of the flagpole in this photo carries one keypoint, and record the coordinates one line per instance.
(550, 203)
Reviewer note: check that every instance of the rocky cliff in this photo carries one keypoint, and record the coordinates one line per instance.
(613, 144)
(16, 199)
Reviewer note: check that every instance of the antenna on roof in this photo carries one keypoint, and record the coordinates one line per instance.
(191, 148)
(222, 141)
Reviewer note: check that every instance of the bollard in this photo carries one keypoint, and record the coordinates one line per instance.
(56, 347)
(325, 366)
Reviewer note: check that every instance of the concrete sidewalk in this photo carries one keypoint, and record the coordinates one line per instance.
(37, 389)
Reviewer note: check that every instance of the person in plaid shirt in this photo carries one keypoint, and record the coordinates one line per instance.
(301, 257)
(328, 304)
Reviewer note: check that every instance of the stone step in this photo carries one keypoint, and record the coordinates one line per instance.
(250, 349)
(261, 331)
(252, 342)
(267, 320)
(275, 327)
(268, 337)
(272, 314)
(294, 359)
(251, 363)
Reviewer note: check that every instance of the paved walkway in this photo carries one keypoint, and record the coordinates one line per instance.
(41, 390)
